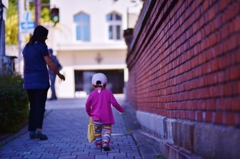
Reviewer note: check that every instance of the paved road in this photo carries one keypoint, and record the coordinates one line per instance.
(65, 124)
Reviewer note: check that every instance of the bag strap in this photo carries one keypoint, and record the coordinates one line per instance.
(90, 119)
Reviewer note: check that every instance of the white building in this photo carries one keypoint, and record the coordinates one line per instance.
(89, 39)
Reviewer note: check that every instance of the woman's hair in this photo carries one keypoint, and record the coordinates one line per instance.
(39, 35)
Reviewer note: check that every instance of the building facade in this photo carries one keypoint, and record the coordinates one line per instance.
(4, 60)
(89, 39)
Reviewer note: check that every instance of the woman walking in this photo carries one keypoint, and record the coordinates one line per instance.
(36, 79)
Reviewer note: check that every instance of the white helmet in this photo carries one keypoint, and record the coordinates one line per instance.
(99, 79)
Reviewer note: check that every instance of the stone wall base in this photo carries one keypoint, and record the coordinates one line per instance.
(183, 139)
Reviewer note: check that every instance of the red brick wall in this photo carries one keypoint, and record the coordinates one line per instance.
(185, 60)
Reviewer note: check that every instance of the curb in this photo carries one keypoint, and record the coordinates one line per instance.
(6, 138)
(146, 145)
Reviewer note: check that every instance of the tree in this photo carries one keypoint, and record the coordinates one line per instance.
(45, 15)
(11, 24)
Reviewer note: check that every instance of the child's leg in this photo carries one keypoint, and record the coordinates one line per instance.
(98, 133)
(107, 131)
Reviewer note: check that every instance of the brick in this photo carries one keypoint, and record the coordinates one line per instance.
(203, 105)
(210, 79)
(234, 73)
(225, 104)
(206, 93)
(237, 119)
(235, 104)
(218, 49)
(206, 68)
(198, 71)
(224, 4)
(207, 30)
(169, 114)
(191, 115)
(237, 24)
(225, 31)
(225, 62)
(177, 114)
(199, 116)
(232, 43)
(209, 55)
(211, 13)
(203, 44)
(217, 22)
(231, 29)
(234, 88)
(182, 114)
(205, 5)
(220, 90)
(199, 36)
(208, 117)
(213, 40)
(211, 104)
(218, 118)
(199, 94)
(221, 76)
(201, 82)
(228, 89)
(229, 14)
(230, 119)
(214, 65)
(233, 58)
(238, 87)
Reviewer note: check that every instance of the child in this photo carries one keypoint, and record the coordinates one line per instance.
(98, 106)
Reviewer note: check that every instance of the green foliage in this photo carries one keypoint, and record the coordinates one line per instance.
(11, 31)
(45, 11)
(45, 15)
(14, 102)
(11, 23)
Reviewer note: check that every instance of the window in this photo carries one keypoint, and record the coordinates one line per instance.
(114, 26)
(82, 22)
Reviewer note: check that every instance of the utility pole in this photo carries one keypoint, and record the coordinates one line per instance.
(20, 37)
(127, 17)
(37, 4)
(2, 31)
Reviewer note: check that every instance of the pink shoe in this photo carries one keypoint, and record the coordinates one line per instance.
(98, 145)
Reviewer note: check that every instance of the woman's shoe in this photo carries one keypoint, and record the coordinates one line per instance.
(32, 135)
(40, 135)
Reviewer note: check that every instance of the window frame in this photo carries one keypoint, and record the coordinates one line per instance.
(83, 23)
(116, 26)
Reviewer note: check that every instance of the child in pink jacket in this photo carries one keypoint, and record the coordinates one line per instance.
(98, 106)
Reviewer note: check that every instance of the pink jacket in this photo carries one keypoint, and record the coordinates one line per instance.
(98, 106)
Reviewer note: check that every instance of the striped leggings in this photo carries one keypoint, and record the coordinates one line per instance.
(102, 132)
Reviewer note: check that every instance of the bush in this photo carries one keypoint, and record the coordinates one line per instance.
(13, 102)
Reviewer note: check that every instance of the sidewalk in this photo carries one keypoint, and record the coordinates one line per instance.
(65, 124)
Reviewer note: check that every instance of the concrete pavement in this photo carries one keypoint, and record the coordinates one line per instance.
(65, 124)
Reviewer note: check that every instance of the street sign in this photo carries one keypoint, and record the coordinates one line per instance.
(27, 25)
(27, 16)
